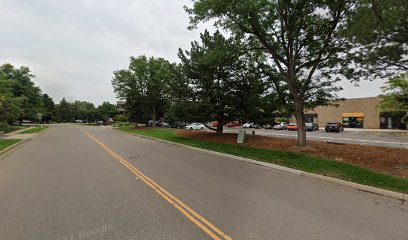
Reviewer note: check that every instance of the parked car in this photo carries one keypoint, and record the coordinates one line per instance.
(256, 126)
(311, 126)
(292, 127)
(333, 127)
(150, 123)
(233, 124)
(280, 126)
(195, 126)
(179, 125)
(248, 125)
(268, 126)
(214, 124)
(164, 124)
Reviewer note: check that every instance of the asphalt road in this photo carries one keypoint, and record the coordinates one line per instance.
(384, 138)
(94, 184)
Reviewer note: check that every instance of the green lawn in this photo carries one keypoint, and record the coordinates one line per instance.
(10, 128)
(4, 143)
(304, 162)
(34, 130)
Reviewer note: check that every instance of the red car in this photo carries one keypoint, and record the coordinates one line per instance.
(292, 126)
(233, 124)
(214, 124)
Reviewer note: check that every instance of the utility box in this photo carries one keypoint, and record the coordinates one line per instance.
(241, 136)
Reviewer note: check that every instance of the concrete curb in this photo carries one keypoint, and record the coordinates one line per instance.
(396, 195)
(357, 186)
(42, 132)
(39, 133)
(5, 152)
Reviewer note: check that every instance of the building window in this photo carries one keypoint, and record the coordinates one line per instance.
(311, 117)
(392, 120)
(353, 120)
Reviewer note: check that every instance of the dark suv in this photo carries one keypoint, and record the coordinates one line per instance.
(333, 127)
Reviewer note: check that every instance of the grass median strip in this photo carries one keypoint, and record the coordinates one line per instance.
(5, 128)
(304, 162)
(5, 143)
(34, 130)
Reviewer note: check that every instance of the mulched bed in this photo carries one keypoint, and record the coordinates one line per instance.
(393, 161)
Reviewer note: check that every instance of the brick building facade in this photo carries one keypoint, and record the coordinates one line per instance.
(356, 113)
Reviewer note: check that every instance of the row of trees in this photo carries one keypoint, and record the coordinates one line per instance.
(21, 99)
(281, 56)
(83, 110)
(218, 79)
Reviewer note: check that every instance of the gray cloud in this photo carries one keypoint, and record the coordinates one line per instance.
(74, 46)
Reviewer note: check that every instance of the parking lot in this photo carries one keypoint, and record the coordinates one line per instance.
(386, 138)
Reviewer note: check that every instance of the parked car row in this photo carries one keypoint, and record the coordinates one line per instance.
(180, 125)
(329, 127)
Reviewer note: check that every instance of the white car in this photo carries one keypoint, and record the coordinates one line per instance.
(248, 125)
(164, 124)
(281, 126)
(195, 126)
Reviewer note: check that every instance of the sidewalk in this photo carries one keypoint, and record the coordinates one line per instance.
(16, 134)
(375, 130)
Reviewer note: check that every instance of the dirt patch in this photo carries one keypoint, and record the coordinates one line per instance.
(393, 161)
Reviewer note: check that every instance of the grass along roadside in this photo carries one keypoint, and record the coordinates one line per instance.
(300, 161)
(36, 129)
(5, 128)
(5, 143)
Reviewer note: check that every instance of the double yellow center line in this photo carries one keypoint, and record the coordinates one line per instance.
(194, 217)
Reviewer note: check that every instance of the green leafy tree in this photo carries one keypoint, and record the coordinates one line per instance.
(83, 110)
(302, 39)
(379, 28)
(10, 106)
(24, 89)
(223, 81)
(64, 111)
(144, 86)
(48, 106)
(395, 97)
(107, 110)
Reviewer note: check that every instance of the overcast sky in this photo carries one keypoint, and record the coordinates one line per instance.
(74, 46)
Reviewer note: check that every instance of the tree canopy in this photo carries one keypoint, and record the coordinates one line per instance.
(20, 98)
(143, 85)
(395, 94)
(379, 31)
(302, 39)
(223, 83)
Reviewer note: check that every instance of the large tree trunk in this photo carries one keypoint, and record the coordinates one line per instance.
(300, 121)
(154, 117)
(220, 128)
